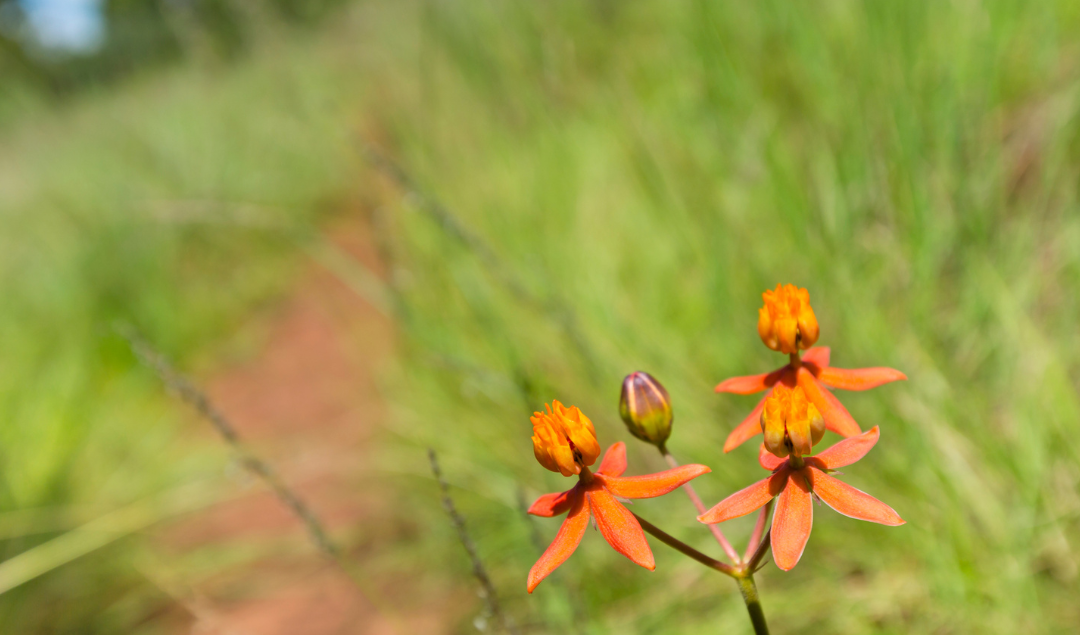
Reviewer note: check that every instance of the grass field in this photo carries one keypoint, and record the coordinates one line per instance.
(639, 173)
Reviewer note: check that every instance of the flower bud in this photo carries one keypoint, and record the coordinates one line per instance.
(791, 424)
(787, 322)
(645, 407)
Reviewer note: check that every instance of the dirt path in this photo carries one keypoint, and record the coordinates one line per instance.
(308, 401)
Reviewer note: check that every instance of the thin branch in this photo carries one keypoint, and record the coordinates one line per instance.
(553, 306)
(189, 393)
(194, 397)
(479, 572)
(759, 527)
(762, 549)
(686, 549)
(700, 506)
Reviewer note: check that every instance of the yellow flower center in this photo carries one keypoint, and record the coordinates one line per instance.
(787, 323)
(564, 440)
(791, 424)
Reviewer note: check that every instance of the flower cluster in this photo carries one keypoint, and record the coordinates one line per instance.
(793, 416)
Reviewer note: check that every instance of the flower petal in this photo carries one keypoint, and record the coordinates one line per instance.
(614, 463)
(798, 431)
(836, 416)
(652, 485)
(858, 378)
(746, 500)
(851, 502)
(749, 427)
(556, 504)
(819, 356)
(620, 528)
(566, 541)
(750, 384)
(847, 451)
(767, 459)
(792, 521)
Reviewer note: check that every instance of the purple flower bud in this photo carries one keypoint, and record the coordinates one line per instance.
(645, 407)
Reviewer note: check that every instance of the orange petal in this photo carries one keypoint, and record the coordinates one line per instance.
(749, 427)
(858, 378)
(652, 485)
(847, 451)
(798, 430)
(620, 528)
(746, 500)
(851, 502)
(836, 416)
(750, 384)
(767, 459)
(567, 540)
(819, 356)
(786, 330)
(792, 522)
(614, 463)
(553, 504)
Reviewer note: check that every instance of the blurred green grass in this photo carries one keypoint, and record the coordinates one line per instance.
(653, 166)
(161, 206)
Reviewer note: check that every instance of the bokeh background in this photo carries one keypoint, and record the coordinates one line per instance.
(592, 188)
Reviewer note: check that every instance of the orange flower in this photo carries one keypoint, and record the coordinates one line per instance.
(790, 423)
(787, 323)
(795, 479)
(595, 495)
(564, 440)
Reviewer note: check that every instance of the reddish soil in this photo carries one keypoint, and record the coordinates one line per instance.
(308, 402)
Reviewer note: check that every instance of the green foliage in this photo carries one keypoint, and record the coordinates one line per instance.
(141, 36)
(161, 207)
(650, 167)
(655, 166)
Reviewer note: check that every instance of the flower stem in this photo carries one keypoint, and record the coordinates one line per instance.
(762, 549)
(686, 549)
(759, 528)
(700, 506)
(743, 574)
(753, 604)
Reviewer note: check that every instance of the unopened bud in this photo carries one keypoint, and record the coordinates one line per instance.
(645, 407)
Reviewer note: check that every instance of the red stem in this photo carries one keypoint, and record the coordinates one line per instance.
(763, 548)
(759, 528)
(700, 506)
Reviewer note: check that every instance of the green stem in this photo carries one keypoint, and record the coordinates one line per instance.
(753, 604)
(686, 549)
(744, 574)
